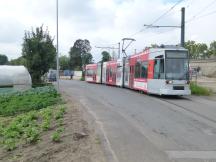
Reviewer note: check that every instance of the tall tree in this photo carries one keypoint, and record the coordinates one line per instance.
(191, 46)
(105, 56)
(197, 50)
(212, 48)
(64, 62)
(3, 59)
(201, 50)
(39, 52)
(87, 59)
(80, 54)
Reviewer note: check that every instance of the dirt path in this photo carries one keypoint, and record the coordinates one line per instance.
(79, 142)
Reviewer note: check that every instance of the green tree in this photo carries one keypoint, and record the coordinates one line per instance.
(105, 56)
(75, 58)
(155, 45)
(191, 46)
(201, 50)
(19, 61)
(3, 59)
(212, 48)
(80, 54)
(64, 62)
(39, 52)
(197, 50)
(87, 59)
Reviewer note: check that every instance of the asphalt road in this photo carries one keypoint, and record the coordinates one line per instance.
(144, 128)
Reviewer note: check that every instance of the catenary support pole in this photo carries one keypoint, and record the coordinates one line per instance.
(57, 47)
(119, 48)
(182, 26)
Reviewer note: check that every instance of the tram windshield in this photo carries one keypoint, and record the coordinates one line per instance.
(176, 65)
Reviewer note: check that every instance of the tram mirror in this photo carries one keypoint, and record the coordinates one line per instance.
(160, 56)
(155, 62)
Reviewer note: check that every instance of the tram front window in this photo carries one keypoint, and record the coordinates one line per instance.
(176, 65)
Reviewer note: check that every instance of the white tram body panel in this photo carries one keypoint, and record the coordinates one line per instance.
(119, 73)
(104, 72)
(126, 72)
(98, 73)
(167, 85)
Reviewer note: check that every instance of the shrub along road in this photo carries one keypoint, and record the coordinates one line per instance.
(143, 128)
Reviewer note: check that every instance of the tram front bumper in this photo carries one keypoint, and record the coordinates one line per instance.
(168, 91)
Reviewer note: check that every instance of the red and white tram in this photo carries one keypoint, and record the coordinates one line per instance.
(93, 73)
(163, 71)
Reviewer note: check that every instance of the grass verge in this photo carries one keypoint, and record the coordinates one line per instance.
(199, 90)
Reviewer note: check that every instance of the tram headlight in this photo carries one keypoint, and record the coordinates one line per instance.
(188, 82)
(169, 82)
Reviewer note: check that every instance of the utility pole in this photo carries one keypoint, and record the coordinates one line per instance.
(57, 47)
(125, 47)
(182, 26)
(119, 50)
(182, 41)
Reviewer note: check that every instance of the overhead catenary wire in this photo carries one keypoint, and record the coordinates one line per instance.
(165, 13)
(156, 20)
(200, 11)
(205, 15)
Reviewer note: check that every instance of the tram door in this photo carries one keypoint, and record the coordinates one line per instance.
(94, 75)
(131, 81)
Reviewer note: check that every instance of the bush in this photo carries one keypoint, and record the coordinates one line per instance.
(82, 79)
(10, 144)
(60, 113)
(31, 134)
(56, 136)
(41, 85)
(199, 90)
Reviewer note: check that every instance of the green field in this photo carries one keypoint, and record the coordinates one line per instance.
(25, 115)
(33, 99)
(6, 90)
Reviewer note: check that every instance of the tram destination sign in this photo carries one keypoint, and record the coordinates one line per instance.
(176, 54)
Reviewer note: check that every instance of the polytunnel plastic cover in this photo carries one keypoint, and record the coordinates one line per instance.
(17, 77)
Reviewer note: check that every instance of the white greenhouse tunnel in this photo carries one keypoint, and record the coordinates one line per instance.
(16, 77)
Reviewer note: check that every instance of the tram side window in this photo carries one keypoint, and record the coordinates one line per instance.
(110, 72)
(126, 73)
(162, 75)
(89, 72)
(159, 69)
(144, 69)
(107, 73)
(137, 70)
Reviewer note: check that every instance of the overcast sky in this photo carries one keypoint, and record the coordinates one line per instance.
(104, 22)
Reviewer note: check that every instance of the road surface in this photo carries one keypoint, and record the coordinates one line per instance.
(143, 128)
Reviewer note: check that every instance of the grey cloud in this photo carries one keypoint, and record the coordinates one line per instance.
(11, 31)
(83, 15)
